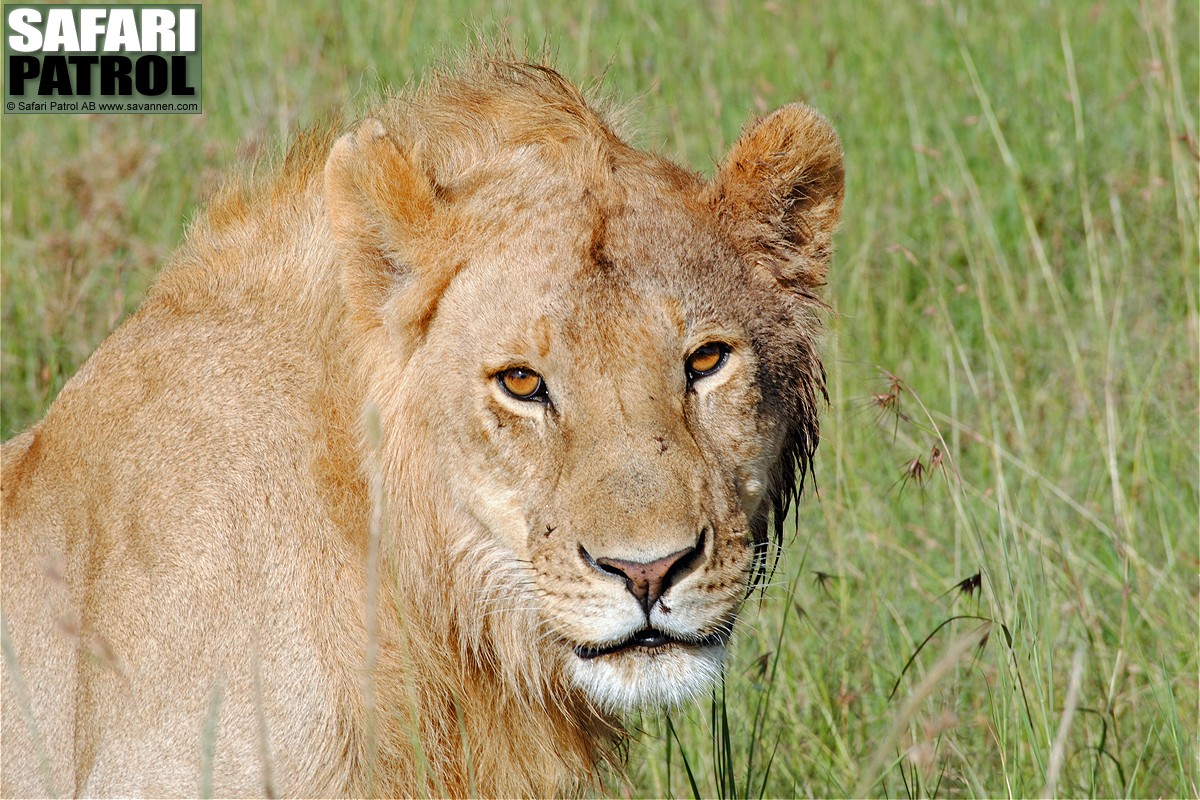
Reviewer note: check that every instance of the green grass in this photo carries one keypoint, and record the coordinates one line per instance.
(1012, 361)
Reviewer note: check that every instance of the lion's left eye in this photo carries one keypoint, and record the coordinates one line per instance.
(523, 384)
(706, 360)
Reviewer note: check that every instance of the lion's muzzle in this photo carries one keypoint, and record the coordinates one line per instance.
(648, 581)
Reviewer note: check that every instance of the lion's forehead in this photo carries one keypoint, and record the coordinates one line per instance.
(632, 275)
(620, 287)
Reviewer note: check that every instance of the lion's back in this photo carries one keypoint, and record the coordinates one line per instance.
(36, 689)
(153, 523)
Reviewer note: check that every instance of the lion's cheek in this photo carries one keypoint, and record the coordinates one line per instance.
(747, 445)
(499, 512)
(492, 485)
(755, 452)
(504, 476)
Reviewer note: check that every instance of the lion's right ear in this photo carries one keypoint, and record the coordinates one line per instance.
(377, 201)
(779, 193)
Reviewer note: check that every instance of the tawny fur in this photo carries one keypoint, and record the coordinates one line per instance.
(285, 516)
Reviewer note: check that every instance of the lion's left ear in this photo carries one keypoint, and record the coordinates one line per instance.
(378, 202)
(779, 193)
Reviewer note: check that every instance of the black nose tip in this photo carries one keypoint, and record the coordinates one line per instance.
(649, 580)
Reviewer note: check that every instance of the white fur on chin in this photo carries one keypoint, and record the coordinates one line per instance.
(648, 679)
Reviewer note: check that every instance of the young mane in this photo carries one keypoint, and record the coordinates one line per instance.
(463, 119)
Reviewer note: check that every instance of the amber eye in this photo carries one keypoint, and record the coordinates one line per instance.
(706, 360)
(523, 383)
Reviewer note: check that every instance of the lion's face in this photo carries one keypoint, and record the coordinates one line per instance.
(603, 408)
(619, 373)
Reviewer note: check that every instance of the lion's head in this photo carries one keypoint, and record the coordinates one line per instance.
(602, 365)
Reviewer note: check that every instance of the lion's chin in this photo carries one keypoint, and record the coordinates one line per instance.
(635, 677)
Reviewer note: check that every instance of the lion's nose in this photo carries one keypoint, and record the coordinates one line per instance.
(649, 580)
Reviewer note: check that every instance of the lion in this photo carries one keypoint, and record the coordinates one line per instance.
(430, 453)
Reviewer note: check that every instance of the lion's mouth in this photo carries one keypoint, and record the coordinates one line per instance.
(649, 639)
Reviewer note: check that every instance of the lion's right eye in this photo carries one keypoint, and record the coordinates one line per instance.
(706, 360)
(523, 384)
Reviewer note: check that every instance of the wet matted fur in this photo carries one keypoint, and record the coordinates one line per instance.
(428, 454)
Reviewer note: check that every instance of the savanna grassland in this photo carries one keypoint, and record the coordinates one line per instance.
(991, 589)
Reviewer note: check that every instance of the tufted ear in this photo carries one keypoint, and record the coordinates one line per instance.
(779, 193)
(377, 201)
